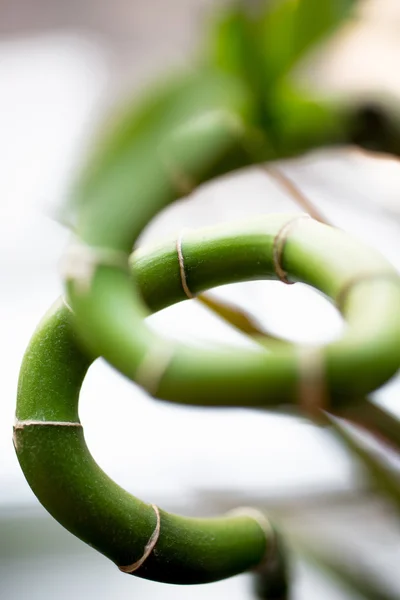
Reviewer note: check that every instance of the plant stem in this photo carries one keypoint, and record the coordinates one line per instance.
(52, 452)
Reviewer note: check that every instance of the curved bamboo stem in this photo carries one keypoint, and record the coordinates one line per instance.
(140, 539)
(362, 283)
(191, 130)
(154, 165)
(49, 438)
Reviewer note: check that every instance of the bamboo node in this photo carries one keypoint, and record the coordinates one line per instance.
(149, 547)
(182, 269)
(29, 422)
(20, 425)
(153, 367)
(279, 246)
(81, 261)
(313, 394)
(64, 301)
(348, 286)
(265, 524)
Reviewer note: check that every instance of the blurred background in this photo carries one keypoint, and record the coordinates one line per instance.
(61, 65)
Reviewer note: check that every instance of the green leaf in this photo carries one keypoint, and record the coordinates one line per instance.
(291, 28)
(259, 49)
(240, 320)
(385, 479)
(316, 19)
(277, 27)
(136, 130)
(356, 577)
(233, 47)
(301, 122)
(380, 423)
(160, 109)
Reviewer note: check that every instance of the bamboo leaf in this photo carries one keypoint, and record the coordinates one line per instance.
(233, 46)
(151, 119)
(239, 320)
(385, 479)
(302, 121)
(291, 28)
(382, 425)
(277, 27)
(357, 578)
(316, 20)
(260, 48)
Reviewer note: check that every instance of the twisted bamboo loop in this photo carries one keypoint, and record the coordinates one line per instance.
(186, 133)
(155, 544)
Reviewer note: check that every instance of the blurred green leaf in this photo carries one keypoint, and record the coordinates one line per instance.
(316, 19)
(380, 423)
(161, 108)
(125, 155)
(356, 577)
(240, 320)
(277, 26)
(260, 48)
(385, 479)
(301, 121)
(233, 47)
(291, 28)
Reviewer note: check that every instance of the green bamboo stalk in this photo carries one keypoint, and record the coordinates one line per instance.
(188, 134)
(328, 259)
(49, 439)
(364, 413)
(51, 449)
(183, 134)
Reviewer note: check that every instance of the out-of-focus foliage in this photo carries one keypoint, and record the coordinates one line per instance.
(240, 320)
(351, 571)
(262, 48)
(355, 576)
(265, 44)
(384, 479)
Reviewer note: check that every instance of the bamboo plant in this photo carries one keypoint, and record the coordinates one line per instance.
(238, 107)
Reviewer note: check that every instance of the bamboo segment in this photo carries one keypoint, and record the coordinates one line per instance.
(358, 278)
(234, 111)
(139, 538)
(49, 439)
(193, 132)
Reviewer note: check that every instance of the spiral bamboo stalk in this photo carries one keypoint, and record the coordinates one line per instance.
(361, 282)
(184, 133)
(189, 131)
(49, 438)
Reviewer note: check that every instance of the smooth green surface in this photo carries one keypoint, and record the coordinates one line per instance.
(238, 109)
(362, 360)
(55, 459)
(72, 487)
(186, 134)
